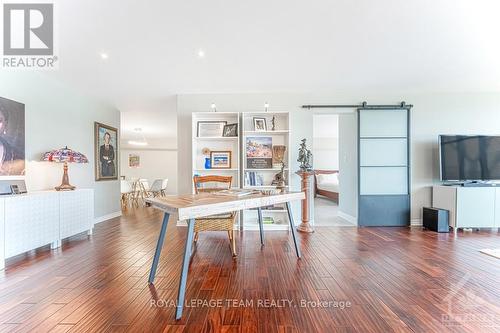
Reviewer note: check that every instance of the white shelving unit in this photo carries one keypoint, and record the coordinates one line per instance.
(237, 145)
(216, 144)
(280, 136)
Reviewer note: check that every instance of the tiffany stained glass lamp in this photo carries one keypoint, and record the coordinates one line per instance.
(64, 155)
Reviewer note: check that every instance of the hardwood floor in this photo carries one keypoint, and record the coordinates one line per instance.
(395, 279)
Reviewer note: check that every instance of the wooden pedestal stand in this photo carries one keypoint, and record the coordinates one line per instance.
(306, 176)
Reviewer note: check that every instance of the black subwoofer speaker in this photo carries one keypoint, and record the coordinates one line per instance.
(435, 219)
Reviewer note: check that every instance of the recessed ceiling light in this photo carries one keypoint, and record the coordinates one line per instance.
(201, 53)
(104, 56)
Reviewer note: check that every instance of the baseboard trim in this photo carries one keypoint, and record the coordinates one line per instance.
(348, 218)
(107, 217)
(416, 223)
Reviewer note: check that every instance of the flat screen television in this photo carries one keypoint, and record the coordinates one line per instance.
(469, 157)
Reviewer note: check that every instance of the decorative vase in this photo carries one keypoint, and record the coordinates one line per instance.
(207, 163)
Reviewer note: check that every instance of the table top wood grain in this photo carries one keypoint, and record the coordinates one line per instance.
(191, 206)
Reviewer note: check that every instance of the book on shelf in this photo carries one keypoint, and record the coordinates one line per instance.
(259, 152)
(236, 192)
(267, 220)
(253, 179)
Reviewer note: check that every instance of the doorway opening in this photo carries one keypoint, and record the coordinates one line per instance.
(327, 190)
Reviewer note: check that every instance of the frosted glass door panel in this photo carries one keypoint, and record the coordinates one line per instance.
(383, 152)
(383, 181)
(383, 123)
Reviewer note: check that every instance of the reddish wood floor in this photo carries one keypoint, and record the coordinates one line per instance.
(395, 279)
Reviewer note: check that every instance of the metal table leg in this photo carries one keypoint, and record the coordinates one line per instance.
(159, 246)
(292, 228)
(261, 227)
(185, 268)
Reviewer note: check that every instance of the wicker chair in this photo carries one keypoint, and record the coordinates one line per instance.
(220, 222)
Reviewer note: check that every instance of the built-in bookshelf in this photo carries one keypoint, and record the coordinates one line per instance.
(258, 173)
(275, 217)
(215, 142)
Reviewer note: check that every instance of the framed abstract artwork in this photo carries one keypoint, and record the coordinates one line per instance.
(106, 152)
(220, 159)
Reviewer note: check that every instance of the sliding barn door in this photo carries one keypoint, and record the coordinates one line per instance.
(384, 168)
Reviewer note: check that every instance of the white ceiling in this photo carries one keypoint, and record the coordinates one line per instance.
(276, 46)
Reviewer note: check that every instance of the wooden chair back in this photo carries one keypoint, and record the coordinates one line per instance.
(225, 181)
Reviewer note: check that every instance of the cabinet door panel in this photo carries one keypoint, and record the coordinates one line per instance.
(497, 208)
(476, 207)
(31, 221)
(76, 212)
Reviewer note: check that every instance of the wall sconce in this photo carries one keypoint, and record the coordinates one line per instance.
(266, 106)
(214, 107)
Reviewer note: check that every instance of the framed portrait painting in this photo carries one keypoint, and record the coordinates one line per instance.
(106, 152)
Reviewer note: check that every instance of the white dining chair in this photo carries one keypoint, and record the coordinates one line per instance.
(156, 187)
(164, 187)
(126, 193)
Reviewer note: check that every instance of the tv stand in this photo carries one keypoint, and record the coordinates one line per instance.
(469, 206)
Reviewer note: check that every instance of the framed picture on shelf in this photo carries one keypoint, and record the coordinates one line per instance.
(259, 124)
(220, 159)
(210, 128)
(259, 152)
(230, 130)
(106, 152)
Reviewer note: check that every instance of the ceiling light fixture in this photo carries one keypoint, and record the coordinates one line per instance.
(104, 56)
(201, 53)
(137, 143)
(141, 139)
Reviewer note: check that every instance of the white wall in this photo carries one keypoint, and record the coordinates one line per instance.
(326, 141)
(57, 116)
(433, 114)
(154, 164)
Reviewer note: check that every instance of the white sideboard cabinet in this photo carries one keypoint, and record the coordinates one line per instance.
(469, 207)
(32, 220)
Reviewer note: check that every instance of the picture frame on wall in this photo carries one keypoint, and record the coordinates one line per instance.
(259, 124)
(230, 130)
(210, 129)
(220, 159)
(106, 152)
(134, 161)
(12, 138)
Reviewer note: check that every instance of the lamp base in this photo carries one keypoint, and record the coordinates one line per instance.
(65, 186)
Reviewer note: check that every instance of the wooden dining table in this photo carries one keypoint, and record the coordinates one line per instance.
(192, 206)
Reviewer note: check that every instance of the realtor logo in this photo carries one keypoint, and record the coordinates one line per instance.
(28, 35)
